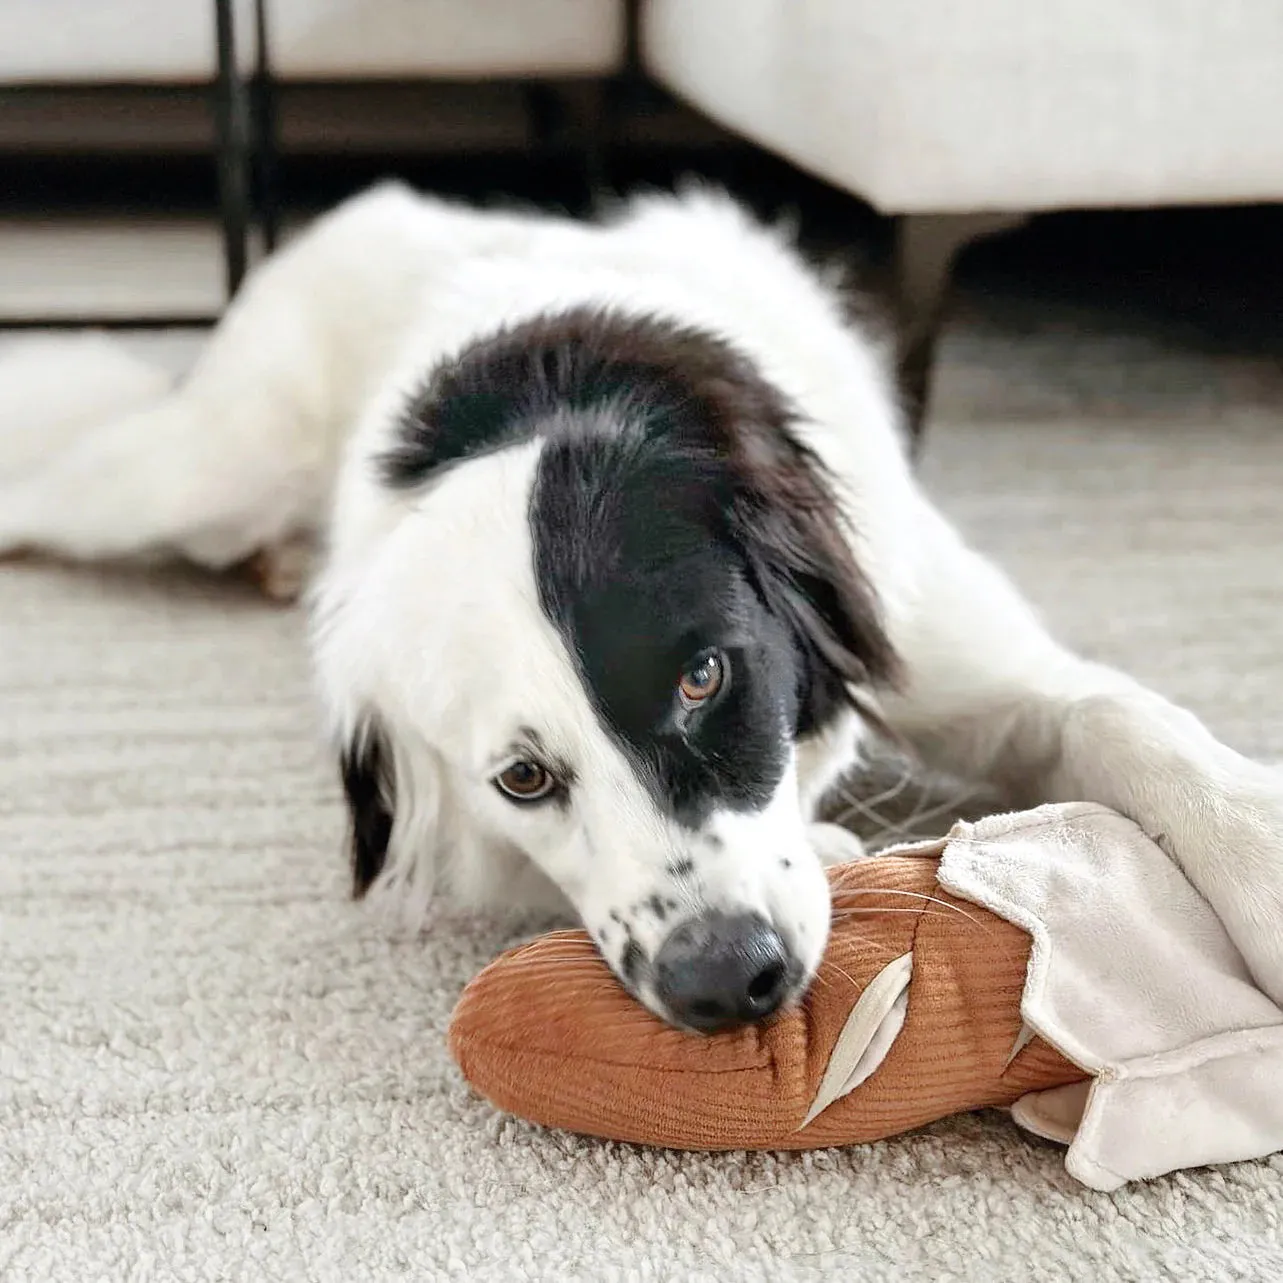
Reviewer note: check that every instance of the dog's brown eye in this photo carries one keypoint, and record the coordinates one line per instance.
(702, 680)
(526, 781)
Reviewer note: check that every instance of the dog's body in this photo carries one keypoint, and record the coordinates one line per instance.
(621, 553)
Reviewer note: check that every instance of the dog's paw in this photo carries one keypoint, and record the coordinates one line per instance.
(1237, 863)
(281, 570)
(15, 531)
(834, 844)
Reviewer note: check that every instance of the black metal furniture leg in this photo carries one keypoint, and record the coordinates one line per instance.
(593, 142)
(926, 247)
(266, 155)
(232, 118)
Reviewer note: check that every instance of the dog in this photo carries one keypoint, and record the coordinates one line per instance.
(621, 565)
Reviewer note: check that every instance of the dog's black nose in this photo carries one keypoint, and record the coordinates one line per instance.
(720, 970)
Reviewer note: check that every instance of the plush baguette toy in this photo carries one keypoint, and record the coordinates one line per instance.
(1055, 963)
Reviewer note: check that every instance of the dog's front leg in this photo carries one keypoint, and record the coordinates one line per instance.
(281, 569)
(989, 694)
(1217, 814)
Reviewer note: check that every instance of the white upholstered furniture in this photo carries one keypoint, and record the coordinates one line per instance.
(957, 117)
(81, 77)
(965, 116)
(172, 41)
(933, 106)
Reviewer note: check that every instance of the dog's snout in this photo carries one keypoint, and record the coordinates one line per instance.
(720, 970)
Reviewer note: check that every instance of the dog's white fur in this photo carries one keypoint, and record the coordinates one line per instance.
(258, 446)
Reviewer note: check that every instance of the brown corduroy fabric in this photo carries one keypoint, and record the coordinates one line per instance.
(545, 1032)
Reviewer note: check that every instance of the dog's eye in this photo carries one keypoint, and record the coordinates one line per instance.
(525, 781)
(703, 679)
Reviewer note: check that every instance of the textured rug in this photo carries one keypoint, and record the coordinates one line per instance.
(213, 1066)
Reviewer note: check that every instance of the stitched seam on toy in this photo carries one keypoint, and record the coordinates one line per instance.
(1005, 824)
(1089, 1128)
(1207, 1050)
(930, 849)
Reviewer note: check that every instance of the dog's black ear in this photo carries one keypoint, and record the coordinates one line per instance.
(782, 512)
(366, 766)
(786, 517)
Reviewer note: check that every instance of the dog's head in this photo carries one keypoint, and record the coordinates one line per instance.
(610, 599)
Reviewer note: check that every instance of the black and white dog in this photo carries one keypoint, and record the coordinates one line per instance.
(622, 559)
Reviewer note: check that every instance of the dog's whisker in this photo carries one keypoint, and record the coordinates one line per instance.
(889, 795)
(568, 958)
(850, 979)
(593, 958)
(951, 803)
(917, 895)
(922, 913)
(877, 912)
(846, 790)
(868, 806)
(872, 944)
(581, 972)
(818, 978)
(914, 895)
(856, 807)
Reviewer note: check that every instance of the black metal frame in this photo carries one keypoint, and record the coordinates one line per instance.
(248, 170)
(926, 248)
(248, 163)
(263, 116)
(232, 120)
(249, 151)
(246, 173)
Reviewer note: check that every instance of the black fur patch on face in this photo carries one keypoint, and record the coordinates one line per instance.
(674, 511)
(366, 768)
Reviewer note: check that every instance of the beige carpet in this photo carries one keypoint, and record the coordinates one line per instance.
(212, 1066)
